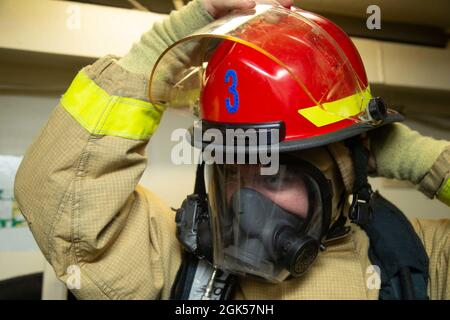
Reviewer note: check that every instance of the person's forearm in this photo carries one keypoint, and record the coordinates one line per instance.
(404, 154)
(144, 54)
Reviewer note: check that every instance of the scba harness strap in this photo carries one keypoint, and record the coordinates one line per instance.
(397, 250)
(394, 246)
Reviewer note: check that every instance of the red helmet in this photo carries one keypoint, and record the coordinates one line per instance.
(271, 68)
(289, 69)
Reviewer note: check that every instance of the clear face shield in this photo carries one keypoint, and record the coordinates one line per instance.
(268, 226)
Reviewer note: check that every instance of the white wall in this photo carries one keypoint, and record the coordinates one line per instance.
(20, 119)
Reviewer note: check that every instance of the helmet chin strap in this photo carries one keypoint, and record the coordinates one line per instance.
(360, 210)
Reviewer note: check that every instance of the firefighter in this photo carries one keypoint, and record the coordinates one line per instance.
(294, 78)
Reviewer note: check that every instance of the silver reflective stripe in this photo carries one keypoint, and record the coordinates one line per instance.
(202, 275)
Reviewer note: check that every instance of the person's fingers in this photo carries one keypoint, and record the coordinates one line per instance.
(286, 3)
(224, 6)
(219, 8)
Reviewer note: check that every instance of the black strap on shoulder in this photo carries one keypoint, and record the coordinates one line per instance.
(398, 251)
(200, 187)
(185, 277)
(394, 245)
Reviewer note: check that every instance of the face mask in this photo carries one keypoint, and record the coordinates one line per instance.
(262, 238)
(267, 227)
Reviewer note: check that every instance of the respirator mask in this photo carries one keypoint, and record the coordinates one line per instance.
(265, 226)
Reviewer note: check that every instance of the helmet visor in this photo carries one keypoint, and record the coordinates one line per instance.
(322, 72)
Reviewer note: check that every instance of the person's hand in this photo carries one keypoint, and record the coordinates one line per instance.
(218, 8)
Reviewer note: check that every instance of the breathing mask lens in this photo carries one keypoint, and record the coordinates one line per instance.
(268, 226)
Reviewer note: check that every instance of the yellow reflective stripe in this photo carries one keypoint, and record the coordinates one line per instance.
(104, 114)
(444, 192)
(331, 112)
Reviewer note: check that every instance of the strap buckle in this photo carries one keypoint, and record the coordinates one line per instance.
(360, 210)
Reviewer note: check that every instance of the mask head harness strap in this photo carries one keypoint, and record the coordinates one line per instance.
(360, 210)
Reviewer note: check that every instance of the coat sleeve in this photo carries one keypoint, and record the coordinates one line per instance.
(404, 154)
(106, 237)
(77, 188)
